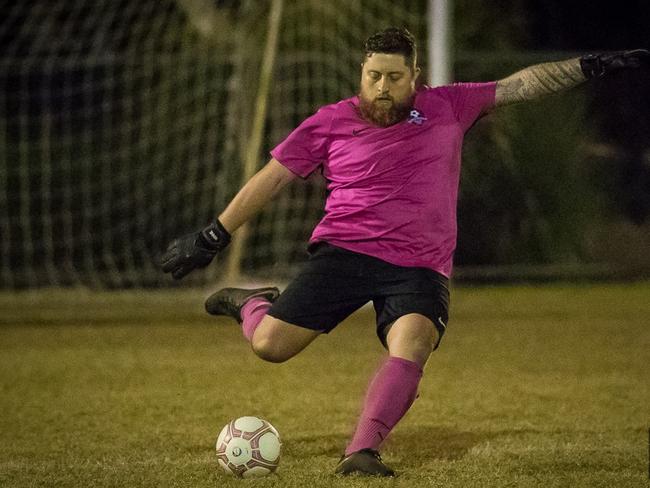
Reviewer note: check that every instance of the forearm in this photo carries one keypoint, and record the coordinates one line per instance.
(539, 80)
(255, 195)
(198, 249)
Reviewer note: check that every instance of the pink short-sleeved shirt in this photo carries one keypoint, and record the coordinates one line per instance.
(392, 191)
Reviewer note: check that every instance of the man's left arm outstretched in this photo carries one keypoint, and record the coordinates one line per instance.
(547, 78)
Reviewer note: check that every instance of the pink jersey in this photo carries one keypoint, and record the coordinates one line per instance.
(393, 190)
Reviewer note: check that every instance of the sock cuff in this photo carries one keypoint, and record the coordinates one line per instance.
(406, 364)
(253, 304)
(252, 314)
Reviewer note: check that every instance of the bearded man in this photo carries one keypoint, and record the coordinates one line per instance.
(391, 157)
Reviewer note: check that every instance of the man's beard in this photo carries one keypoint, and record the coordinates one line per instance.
(382, 115)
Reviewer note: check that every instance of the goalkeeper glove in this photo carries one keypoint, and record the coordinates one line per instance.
(195, 250)
(598, 65)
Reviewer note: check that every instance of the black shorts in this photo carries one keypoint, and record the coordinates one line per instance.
(335, 282)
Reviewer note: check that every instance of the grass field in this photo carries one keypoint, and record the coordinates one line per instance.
(532, 386)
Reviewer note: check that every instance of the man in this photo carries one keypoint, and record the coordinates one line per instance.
(391, 157)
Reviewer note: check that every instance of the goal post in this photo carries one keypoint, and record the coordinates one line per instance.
(252, 151)
(439, 40)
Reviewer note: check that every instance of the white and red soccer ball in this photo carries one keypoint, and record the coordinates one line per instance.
(248, 447)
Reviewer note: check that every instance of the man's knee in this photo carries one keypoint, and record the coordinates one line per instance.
(269, 350)
(412, 337)
(421, 345)
(277, 341)
(417, 349)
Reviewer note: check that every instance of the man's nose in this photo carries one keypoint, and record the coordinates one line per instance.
(383, 85)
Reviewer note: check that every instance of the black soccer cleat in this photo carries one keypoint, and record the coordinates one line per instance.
(229, 301)
(365, 462)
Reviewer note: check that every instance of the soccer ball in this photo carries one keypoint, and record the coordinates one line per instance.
(248, 447)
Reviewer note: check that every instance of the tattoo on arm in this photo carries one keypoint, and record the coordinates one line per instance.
(539, 80)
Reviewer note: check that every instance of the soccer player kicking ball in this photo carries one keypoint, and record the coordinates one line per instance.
(391, 156)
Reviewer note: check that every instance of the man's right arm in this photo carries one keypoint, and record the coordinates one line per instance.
(198, 249)
(255, 194)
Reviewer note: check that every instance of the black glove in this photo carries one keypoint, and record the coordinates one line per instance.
(598, 65)
(194, 250)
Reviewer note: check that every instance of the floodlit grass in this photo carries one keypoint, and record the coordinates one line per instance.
(533, 386)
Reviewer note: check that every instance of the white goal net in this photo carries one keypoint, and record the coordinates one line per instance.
(124, 124)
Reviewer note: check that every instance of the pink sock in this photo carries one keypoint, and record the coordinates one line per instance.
(252, 313)
(390, 394)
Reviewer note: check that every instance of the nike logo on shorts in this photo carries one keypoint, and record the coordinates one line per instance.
(442, 322)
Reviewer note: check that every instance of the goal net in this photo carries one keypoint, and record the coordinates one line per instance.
(123, 124)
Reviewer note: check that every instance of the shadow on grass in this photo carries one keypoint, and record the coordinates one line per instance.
(316, 445)
(413, 446)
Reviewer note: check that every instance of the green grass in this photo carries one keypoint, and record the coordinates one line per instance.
(532, 386)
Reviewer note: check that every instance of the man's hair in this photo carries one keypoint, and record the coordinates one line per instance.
(392, 40)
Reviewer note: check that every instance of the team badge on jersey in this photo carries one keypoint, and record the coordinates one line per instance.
(416, 117)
